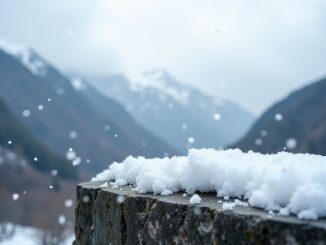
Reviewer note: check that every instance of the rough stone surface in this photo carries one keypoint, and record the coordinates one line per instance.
(122, 216)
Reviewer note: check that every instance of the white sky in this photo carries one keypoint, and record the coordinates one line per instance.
(252, 52)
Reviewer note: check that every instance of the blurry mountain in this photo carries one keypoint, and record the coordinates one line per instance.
(31, 177)
(107, 107)
(18, 142)
(63, 119)
(298, 123)
(181, 115)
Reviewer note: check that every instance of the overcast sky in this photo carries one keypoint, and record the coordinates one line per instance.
(253, 52)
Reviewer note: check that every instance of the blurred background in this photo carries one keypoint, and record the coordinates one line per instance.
(85, 83)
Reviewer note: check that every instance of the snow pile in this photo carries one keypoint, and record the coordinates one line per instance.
(284, 182)
(26, 56)
(231, 205)
(195, 199)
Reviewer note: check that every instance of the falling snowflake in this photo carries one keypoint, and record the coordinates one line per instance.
(73, 134)
(61, 219)
(191, 140)
(26, 113)
(258, 141)
(120, 199)
(291, 143)
(106, 128)
(85, 199)
(278, 117)
(184, 126)
(15, 196)
(217, 116)
(68, 203)
(71, 154)
(54, 172)
(76, 161)
(60, 91)
(263, 133)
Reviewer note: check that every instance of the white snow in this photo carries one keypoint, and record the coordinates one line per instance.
(29, 236)
(40, 107)
(54, 172)
(228, 206)
(78, 84)
(76, 161)
(15, 196)
(26, 56)
(291, 143)
(69, 203)
(263, 133)
(217, 116)
(86, 199)
(231, 205)
(293, 181)
(120, 199)
(278, 117)
(73, 134)
(157, 80)
(104, 185)
(258, 141)
(26, 113)
(166, 192)
(284, 212)
(107, 128)
(195, 199)
(191, 140)
(61, 219)
(71, 154)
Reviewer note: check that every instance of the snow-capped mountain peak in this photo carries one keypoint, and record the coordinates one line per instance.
(26, 56)
(178, 113)
(159, 80)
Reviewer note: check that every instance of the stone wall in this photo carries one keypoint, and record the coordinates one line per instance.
(122, 216)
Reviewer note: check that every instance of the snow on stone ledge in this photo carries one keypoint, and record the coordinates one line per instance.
(283, 182)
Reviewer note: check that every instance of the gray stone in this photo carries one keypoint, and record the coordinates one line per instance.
(122, 216)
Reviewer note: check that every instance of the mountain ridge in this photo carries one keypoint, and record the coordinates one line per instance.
(299, 118)
(58, 112)
(180, 114)
(14, 136)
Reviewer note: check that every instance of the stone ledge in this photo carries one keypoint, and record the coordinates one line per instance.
(122, 216)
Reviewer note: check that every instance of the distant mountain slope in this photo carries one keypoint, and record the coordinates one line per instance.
(16, 137)
(298, 123)
(180, 114)
(63, 118)
(108, 107)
